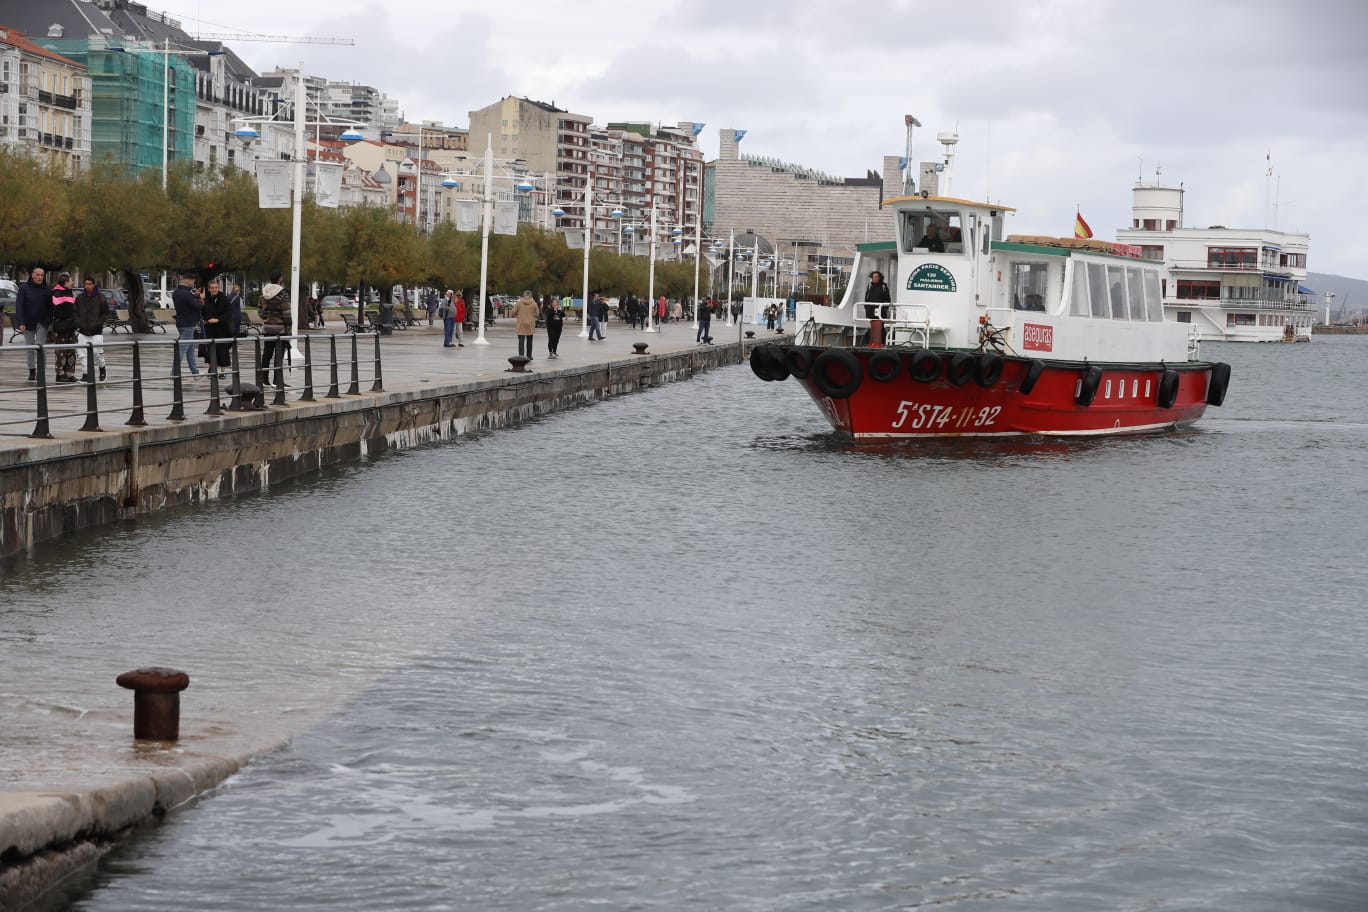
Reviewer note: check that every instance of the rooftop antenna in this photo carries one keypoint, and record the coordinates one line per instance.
(909, 182)
(1140, 178)
(1268, 177)
(948, 140)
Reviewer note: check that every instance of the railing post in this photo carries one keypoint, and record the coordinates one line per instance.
(379, 385)
(92, 422)
(41, 429)
(332, 366)
(308, 395)
(355, 388)
(279, 359)
(260, 376)
(177, 391)
(215, 407)
(235, 404)
(136, 418)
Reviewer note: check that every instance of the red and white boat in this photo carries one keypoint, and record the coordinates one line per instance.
(995, 336)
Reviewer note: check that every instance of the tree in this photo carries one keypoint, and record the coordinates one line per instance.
(32, 199)
(215, 225)
(116, 223)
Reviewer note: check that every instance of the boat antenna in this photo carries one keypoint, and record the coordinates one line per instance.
(909, 182)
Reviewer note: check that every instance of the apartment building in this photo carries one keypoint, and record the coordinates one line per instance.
(540, 139)
(44, 103)
(797, 211)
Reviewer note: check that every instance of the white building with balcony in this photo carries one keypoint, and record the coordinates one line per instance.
(1230, 284)
(44, 103)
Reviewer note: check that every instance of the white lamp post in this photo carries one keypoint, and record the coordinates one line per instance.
(650, 282)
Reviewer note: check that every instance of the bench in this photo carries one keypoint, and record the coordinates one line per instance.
(113, 322)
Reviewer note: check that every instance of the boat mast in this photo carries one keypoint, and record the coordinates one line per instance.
(909, 183)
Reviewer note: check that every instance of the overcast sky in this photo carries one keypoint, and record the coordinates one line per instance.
(1058, 103)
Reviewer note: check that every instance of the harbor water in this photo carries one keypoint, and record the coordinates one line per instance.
(686, 650)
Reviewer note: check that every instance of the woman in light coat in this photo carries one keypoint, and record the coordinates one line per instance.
(525, 314)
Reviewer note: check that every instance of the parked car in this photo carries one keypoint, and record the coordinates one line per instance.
(9, 295)
(337, 301)
(117, 299)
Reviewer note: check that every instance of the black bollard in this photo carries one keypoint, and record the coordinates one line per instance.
(308, 395)
(215, 407)
(92, 422)
(177, 390)
(156, 701)
(41, 430)
(355, 388)
(332, 367)
(136, 418)
(379, 385)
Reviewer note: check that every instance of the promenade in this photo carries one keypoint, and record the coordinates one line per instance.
(413, 359)
(72, 778)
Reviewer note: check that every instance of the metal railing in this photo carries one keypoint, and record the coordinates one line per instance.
(126, 385)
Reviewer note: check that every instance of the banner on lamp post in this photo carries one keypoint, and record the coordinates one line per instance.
(467, 215)
(328, 185)
(506, 217)
(273, 184)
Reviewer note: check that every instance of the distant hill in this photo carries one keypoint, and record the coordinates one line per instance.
(1351, 296)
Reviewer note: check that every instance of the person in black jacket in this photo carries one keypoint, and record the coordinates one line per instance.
(63, 329)
(33, 314)
(188, 309)
(218, 325)
(555, 322)
(91, 310)
(876, 292)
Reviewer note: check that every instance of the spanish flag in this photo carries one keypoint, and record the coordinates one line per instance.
(1081, 229)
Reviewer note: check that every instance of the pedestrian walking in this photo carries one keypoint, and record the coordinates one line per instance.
(595, 319)
(235, 309)
(276, 322)
(555, 323)
(63, 329)
(704, 334)
(91, 310)
(525, 317)
(462, 314)
(188, 313)
(432, 304)
(447, 312)
(218, 327)
(33, 314)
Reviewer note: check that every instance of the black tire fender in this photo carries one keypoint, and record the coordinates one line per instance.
(884, 366)
(1168, 389)
(760, 363)
(837, 359)
(988, 371)
(798, 360)
(1218, 383)
(962, 366)
(925, 366)
(1034, 368)
(1088, 382)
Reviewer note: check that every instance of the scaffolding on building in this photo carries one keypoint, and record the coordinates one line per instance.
(126, 104)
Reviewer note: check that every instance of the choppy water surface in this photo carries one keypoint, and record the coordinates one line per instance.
(684, 650)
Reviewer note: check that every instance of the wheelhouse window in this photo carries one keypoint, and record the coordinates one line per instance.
(1030, 286)
(1078, 299)
(1233, 257)
(1116, 291)
(1097, 291)
(1135, 294)
(1154, 297)
(932, 230)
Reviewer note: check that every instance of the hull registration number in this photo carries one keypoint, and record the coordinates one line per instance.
(914, 416)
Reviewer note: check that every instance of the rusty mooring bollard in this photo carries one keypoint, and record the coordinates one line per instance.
(519, 363)
(156, 701)
(640, 347)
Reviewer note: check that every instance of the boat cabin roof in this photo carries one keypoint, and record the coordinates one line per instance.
(951, 200)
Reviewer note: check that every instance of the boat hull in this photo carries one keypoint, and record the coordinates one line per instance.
(893, 395)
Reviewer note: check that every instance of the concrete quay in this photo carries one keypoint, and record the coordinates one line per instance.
(80, 479)
(73, 780)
